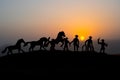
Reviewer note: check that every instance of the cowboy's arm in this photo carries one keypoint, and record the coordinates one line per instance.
(99, 41)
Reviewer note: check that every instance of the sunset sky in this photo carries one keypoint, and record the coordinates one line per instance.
(32, 19)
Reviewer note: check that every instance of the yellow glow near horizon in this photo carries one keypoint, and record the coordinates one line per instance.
(82, 38)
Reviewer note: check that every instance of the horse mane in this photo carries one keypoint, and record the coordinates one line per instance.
(60, 34)
(59, 37)
(20, 41)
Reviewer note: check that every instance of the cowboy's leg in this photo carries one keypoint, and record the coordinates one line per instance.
(101, 50)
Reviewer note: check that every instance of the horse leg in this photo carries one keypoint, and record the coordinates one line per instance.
(44, 48)
(22, 50)
(40, 47)
(10, 51)
(18, 50)
(30, 49)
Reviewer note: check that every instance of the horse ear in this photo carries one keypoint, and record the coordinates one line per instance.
(21, 39)
(48, 38)
(61, 31)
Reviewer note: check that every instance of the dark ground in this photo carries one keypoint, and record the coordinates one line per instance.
(45, 63)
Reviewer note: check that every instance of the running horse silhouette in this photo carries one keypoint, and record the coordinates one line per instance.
(42, 42)
(14, 47)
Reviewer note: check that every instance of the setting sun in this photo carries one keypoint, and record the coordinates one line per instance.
(82, 38)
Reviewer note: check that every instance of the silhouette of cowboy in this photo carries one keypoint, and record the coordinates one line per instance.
(103, 45)
(52, 43)
(76, 43)
(89, 44)
(66, 43)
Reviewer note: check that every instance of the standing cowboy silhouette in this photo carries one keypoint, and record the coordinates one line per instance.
(76, 43)
(89, 44)
(52, 43)
(66, 43)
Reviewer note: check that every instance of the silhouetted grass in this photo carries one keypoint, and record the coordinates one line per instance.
(47, 63)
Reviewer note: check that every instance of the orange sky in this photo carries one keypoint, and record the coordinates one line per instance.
(36, 18)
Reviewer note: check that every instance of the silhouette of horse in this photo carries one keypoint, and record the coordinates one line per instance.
(43, 42)
(60, 37)
(14, 47)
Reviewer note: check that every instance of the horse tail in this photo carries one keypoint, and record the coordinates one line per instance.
(5, 50)
(27, 43)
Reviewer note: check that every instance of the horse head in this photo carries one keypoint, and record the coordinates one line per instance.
(22, 41)
(62, 33)
(60, 37)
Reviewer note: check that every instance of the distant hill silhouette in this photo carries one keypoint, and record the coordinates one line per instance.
(58, 63)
